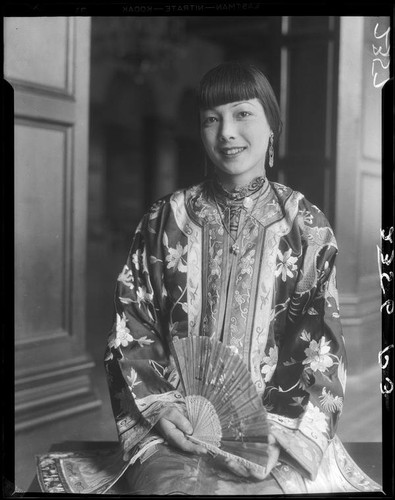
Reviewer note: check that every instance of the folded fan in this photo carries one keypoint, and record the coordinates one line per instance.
(224, 408)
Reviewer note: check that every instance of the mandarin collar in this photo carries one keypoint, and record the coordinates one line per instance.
(240, 193)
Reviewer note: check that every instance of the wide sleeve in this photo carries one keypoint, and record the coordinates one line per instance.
(137, 360)
(305, 394)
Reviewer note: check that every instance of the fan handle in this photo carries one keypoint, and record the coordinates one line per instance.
(214, 450)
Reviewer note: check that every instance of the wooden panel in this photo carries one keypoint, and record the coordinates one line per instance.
(41, 213)
(52, 368)
(41, 52)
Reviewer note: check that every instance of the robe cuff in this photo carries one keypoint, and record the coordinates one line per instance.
(135, 426)
(301, 440)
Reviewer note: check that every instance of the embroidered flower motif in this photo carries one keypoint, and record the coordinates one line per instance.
(136, 259)
(280, 188)
(109, 355)
(247, 263)
(175, 259)
(215, 263)
(317, 417)
(291, 362)
(307, 216)
(125, 300)
(122, 336)
(132, 379)
(126, 277)
(329, 402)
(155, 208)
(142, 341)
(305, 336)
(234, 349)
(143, 295)
(317, 355)
(286, 265)
(297, 401)
(270, 363)
(154, 259)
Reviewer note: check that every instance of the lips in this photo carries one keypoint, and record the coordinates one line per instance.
(232, 151)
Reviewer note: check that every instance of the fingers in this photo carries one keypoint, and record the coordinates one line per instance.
(244, 471)
(178, 420)
(173, 426)
(273, 454)
(176, 438)
(236, 468)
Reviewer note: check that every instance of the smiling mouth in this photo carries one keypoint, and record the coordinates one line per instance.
(232, 151)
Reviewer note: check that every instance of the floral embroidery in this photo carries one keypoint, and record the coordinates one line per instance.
(286, 265)
(215, 263)
(317, 355)
(142, 341)
(270, 363)
(139, 259)
(136, 259)
(297, 401)
(125, 300)
(155, 209)
(329, 402)
(305, 336)
(175, 258)
(126, 277)
(315, 415)
(275, 300)
(132, 380)
(143, 295)
(122, 336)
(247, 262)
(307, 216)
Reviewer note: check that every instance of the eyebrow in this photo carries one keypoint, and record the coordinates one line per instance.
(242, 102)
(233, 106)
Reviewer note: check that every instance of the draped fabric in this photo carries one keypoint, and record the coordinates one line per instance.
(256, 270)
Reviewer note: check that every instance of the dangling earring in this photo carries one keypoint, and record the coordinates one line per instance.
(271, 150)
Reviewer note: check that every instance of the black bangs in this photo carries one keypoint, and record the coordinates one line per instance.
(226, 83)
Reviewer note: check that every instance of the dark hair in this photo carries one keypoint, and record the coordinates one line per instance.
(235, 81)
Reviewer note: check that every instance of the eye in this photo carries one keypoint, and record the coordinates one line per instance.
(244, 114)
(208, 120)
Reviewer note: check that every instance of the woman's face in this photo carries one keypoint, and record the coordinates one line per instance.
(236, 137)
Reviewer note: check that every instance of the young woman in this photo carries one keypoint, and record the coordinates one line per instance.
(250, 263)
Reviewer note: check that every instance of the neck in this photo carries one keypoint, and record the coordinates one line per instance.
(232, 182)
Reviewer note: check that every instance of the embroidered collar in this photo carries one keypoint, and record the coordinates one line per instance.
(238, 193)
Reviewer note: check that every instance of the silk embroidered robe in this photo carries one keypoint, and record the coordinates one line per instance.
(274, 302)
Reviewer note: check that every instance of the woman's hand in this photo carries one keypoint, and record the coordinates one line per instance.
(173, 426)
(243, 471)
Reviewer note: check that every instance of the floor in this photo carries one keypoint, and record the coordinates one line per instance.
(361, 419)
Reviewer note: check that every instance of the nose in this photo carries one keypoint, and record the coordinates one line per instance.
(227, 130)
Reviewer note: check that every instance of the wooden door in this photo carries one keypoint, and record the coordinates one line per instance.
(47, 63)
(308, 95)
